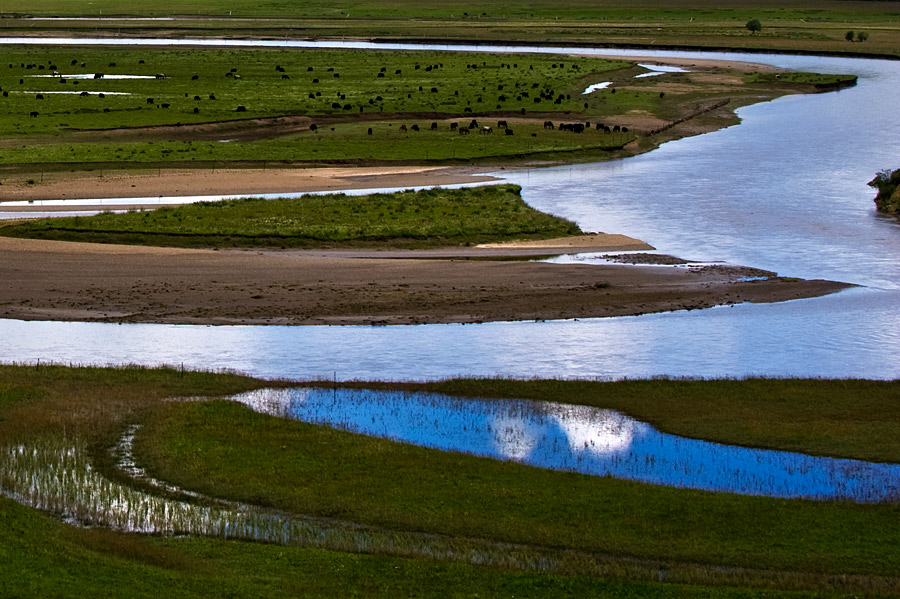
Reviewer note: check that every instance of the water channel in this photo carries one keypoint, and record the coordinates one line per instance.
(580, 439)
(784, 191)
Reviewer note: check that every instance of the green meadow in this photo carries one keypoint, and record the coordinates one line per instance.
(111, 108)
(417, 512)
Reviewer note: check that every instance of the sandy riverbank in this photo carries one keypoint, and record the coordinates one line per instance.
(72, 281)
(198, 182)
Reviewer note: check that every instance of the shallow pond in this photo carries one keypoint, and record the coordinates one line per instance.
(580, 439)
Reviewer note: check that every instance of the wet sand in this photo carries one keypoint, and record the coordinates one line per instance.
(45, 280)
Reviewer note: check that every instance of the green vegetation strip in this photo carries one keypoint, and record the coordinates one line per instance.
(794, 25)
(433, 217)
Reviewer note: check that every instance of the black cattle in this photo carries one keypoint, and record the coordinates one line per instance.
(149, 100)
(195, 77)
(34, 113)
(548, 125)
(509, 131)
(415, 127)
(369, 131)
(285, 76)
(196, 110)
(502, 125)
(112, 64)
(212, 96)
(463, 130)
(241, 108)
(39, 97)
(313, 127)
(164, 105)
(473, 124)
(434, 126)
(453, 126)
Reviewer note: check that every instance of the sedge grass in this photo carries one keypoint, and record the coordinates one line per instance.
(407, 218)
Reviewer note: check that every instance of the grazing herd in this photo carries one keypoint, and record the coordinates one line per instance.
(537, 92)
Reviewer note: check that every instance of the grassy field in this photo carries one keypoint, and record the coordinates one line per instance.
(436, 217)
(280, 107)
(639, 533)
(798, 25)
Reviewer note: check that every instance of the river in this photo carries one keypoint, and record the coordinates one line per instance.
(784, 191)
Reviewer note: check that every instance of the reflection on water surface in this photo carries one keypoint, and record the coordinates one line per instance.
(580, 439)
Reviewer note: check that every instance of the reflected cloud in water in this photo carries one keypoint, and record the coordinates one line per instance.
(579, 439)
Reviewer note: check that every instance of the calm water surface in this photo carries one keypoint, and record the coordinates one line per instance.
(580, 439)
(784, 191)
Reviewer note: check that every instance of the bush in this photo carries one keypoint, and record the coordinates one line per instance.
(887, 183)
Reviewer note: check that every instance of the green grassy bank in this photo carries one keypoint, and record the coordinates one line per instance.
(703, 544)
(436, 217)
(797, 25)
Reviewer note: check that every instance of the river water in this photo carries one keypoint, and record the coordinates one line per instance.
(784, 191)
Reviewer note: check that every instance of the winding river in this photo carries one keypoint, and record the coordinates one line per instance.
(785, 191)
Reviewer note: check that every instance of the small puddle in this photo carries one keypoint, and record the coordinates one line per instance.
(580, 439)
(596, 87)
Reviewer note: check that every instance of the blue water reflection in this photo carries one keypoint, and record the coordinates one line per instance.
(580, 439)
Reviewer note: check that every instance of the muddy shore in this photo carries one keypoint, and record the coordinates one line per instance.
(72, 281)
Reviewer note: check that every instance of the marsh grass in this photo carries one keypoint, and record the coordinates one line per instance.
(407, 218)
(323, 488)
